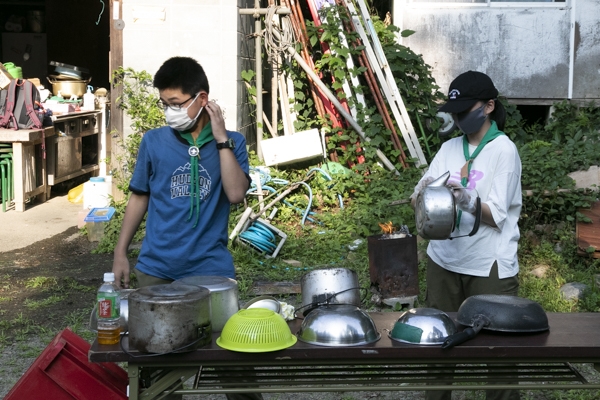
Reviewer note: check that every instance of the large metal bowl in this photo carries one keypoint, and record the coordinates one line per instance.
(427, 326)
(338, 325)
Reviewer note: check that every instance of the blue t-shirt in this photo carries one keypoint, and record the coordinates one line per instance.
(173, 248)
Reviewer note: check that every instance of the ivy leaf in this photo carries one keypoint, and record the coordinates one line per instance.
(248, 75)
(406, 33)
(590, 250)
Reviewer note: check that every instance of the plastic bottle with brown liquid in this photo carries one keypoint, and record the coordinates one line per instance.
(109, 303)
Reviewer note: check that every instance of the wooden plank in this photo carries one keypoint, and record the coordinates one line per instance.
(24, 135)
(588, 233)
(261, 288)
(116, 112)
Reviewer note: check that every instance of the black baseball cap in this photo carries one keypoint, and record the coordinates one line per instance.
(467, 89)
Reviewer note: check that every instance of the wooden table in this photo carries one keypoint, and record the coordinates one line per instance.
(29, 162)
(491, 360)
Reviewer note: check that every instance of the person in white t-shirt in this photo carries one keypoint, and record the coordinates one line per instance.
(486, 162)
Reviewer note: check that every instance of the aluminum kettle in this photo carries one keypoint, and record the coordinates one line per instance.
(435, 211)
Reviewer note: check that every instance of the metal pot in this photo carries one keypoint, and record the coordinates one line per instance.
(329, 286)
(169, 318)
(435, 211)
(68, 88)
(224, 297)
(500, 313)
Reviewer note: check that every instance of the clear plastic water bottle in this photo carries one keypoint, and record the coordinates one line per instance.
(109, 304)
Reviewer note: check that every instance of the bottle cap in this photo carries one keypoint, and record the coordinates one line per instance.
(109, 277)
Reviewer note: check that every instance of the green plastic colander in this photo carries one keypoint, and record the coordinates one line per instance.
(256, 330)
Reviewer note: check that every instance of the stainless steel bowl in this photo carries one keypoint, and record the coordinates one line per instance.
(427, 326)
(338, 325)
(268, 302)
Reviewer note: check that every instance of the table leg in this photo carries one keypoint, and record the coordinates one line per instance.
(44, 195)
(134, 382)
(168, 380)
(19, 176)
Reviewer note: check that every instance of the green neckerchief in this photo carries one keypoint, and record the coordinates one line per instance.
(465, 171)
(205, 136)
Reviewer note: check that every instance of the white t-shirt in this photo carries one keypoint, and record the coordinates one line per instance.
(496, 175)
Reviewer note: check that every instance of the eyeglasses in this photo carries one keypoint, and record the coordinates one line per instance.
(175, 107)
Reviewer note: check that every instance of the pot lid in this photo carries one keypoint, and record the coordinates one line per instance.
(73, 69)
(212, 283)
(172, 292)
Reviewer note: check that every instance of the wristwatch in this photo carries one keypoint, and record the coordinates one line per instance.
(229, 144)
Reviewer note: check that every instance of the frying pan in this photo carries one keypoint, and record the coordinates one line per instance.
(500, 313)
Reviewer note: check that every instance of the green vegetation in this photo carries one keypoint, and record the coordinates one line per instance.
(549, 152)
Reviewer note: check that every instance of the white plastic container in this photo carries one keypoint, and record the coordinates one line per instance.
(89, 100)
(97, 192)
(284, 150)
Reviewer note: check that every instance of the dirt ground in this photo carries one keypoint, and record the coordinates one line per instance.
(67, 260)
(44, 288)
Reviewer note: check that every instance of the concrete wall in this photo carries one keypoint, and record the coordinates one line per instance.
(211, 31)
(529, 49)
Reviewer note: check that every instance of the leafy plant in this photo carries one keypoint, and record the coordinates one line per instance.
(334, 43)
(140, 103)
(568, 143)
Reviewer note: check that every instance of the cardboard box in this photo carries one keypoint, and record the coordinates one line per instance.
(5, 77)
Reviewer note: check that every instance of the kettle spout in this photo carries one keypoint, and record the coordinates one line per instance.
(441, 181)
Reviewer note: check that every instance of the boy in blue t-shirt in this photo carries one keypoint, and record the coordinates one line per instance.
(186, 177)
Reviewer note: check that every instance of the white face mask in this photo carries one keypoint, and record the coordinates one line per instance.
(179, 119)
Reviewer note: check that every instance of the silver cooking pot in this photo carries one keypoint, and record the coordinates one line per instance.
(224, 297)
(329, 286)
(169, 318)
(435, 211)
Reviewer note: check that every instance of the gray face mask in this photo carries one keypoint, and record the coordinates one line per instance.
(470, 123)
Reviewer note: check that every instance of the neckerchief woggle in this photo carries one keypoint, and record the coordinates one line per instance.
(204, 137)
(465, 171)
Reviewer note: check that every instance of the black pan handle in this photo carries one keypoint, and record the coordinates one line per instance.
(458, 338)
(469, 333)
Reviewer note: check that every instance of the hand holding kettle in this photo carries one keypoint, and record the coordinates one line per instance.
(465, 199)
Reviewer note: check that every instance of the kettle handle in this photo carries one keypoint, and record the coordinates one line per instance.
(477, 216)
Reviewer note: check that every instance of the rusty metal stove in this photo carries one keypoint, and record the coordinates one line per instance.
(394, 268)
